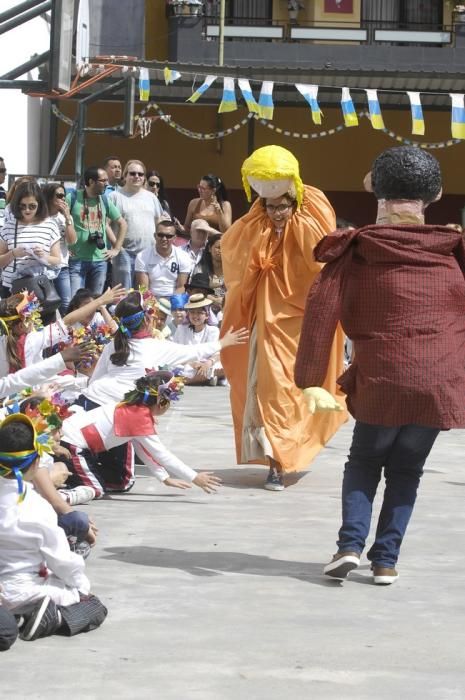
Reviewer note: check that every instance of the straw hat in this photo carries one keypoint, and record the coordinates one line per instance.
(164, 306)
(197, 301)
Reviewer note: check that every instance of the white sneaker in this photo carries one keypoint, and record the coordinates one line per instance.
(78, 495)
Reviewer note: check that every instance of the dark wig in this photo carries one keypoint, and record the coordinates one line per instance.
(406, 172)
(128, 307)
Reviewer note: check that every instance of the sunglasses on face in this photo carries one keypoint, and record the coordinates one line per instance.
(136, 173)
(165, 235)
(154, 183)
(60, 195)
(2, 171)
(28, 207)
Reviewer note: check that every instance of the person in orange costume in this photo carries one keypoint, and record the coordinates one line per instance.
(268, 269)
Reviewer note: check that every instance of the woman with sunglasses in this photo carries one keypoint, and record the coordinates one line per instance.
(212, 204)
(58, 210)
(30, 241)
(156, 186)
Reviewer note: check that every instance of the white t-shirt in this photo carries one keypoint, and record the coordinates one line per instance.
(28, 236)
(110, 382)
(36, 342)
(60, 221)
(163, 272)
(141, 212)
(185, 335)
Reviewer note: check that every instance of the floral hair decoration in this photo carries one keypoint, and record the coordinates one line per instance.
(27, 309)
(17, 462)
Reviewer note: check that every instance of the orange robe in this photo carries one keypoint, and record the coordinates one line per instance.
(267, 279)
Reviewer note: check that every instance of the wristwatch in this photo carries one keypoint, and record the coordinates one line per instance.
(69, 222)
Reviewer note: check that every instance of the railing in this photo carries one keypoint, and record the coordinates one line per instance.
(366, 32)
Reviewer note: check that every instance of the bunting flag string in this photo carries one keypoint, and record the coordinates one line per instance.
(374, 109)
(310, 93)
(144, 85)
(203, 88)
(418, 123)
(265, 101)
(228, 103)
(284, 132)
(247, 94)
(348, 109)
(458, 116)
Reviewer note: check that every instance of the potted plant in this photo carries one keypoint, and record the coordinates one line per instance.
(459, 13)
(293, 7)
(186, 7)
(195, 7)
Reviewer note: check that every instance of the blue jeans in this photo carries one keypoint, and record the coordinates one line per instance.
(402, 451)
(63, 286)
(75, 525)
(89, 274)
(123, 269)
(8, 629)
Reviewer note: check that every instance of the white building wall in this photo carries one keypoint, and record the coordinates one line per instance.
(21, 116)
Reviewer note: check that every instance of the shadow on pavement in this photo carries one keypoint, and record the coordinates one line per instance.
(253, 477)
(216, 563)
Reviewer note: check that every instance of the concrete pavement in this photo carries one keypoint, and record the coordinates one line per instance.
(221, 597)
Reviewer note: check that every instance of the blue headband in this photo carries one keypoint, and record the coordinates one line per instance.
(132, 322)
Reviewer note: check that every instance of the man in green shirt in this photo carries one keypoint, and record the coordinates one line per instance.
(90, 210)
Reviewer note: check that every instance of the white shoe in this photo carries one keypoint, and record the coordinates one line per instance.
(78, 495)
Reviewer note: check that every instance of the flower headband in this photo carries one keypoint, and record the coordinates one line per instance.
(28, 309)
(17, 462)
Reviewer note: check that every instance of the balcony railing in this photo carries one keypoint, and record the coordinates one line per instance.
(366, 32)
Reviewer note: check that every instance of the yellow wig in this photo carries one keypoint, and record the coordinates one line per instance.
(272, 163)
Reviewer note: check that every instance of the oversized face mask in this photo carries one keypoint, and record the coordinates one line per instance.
(270, 188)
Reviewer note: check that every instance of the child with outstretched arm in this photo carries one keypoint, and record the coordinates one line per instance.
(134, 419)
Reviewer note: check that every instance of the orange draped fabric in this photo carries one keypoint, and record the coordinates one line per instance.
(267, 279)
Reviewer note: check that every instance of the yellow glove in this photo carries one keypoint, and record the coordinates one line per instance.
(319, 399)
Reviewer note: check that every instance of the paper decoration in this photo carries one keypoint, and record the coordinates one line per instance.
(203, 88)
(144, 85)
(170, 75)
(228, 103)
(265, 101)
(374, 109)
(418, 123)
(247, 94)
(348, 109)
(310, 93)
(458, 116)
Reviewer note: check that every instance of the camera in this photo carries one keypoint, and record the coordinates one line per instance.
(97, 238)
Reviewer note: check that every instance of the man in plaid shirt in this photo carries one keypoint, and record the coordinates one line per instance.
(398, 289)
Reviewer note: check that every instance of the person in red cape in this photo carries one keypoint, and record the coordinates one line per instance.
(398, 289)
(134, 420)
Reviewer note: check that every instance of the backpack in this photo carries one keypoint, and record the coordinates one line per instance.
(103, 197)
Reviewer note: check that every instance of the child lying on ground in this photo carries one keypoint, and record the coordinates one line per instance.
(134, 420)
(40, 578)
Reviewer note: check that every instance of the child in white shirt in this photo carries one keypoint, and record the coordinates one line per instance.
(40, 577)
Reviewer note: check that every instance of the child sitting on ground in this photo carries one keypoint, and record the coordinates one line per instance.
(40, 578)
(134, 419)
(198, 331)
(52, 474)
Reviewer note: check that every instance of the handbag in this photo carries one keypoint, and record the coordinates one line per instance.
(42, 287)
